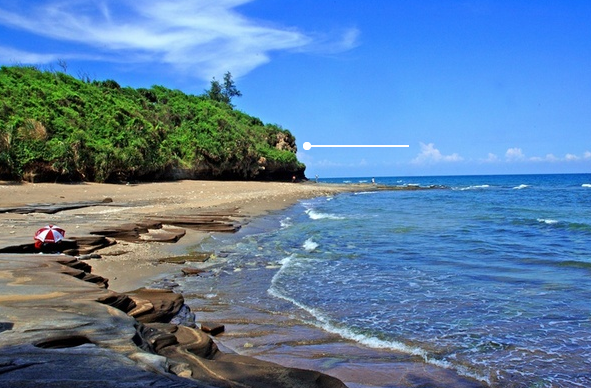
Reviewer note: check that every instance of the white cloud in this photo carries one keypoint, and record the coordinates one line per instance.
(205, 38)
(429, 154)
(547, 158)
(492, 158)
(571, 157)
(514, 154)
(517, 155)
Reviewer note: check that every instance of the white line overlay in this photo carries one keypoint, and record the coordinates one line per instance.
(307, 146)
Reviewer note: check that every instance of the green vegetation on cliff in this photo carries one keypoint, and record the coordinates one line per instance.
(56, 127)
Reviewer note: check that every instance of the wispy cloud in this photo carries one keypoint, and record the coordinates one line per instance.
(14, 56)
(429, 155)
(204, 37)
(491, 158)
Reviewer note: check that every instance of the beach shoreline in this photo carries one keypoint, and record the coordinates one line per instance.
(132, 265)
(134, 202)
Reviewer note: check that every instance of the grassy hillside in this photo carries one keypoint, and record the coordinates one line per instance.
(56, 127)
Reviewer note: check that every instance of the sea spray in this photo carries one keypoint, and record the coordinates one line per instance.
(309, 245)
(315, 215)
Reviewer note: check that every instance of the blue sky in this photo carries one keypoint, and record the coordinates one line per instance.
(473, 86)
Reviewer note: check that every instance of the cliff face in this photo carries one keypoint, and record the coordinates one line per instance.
(55, 127)
(264, 168)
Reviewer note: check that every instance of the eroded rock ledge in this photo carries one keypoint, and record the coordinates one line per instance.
(57, 330)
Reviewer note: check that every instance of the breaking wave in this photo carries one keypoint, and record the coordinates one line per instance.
(521, 187)
(314, 215)
(310, 245)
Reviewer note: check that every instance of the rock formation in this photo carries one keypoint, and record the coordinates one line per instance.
(58, 330)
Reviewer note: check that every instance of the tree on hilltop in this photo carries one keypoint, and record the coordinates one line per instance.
(223, 92)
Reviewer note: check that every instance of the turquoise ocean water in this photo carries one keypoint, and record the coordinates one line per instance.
(489, 276)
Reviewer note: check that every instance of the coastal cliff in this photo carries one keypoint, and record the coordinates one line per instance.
(54, 127)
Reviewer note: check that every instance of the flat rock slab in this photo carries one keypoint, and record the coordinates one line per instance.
(55, 333)
(71, 246)
(196, 257)
(52, 208)
(155, 305)
(212, 328)
(87, 366)
(165, 234)
(167, 229)
(201, 222)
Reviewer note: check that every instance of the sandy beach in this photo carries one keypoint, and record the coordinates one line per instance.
(45, 283)
(134, 202)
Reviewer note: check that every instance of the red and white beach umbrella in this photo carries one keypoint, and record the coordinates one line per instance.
(50, 234)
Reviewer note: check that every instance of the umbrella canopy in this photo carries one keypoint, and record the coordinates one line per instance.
(50, 234)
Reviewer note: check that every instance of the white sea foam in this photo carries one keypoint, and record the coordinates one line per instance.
(314, 215)
(586, 185)
(323, 322)
(547, 221)
(285, 223)
(475, 187)
(310, 245)
(521, 187)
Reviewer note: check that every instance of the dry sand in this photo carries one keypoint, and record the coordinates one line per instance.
(132, 265)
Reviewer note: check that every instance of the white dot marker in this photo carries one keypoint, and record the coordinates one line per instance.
(307, 146)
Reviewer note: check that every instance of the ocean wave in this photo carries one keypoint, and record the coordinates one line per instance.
(474, 187)
(310, 245)
(570, 226)
(314, 215)
(547, 221)
(586, 185)
(323, 322)
(521, 187)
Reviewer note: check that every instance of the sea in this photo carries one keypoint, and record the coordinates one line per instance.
(458, 281)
